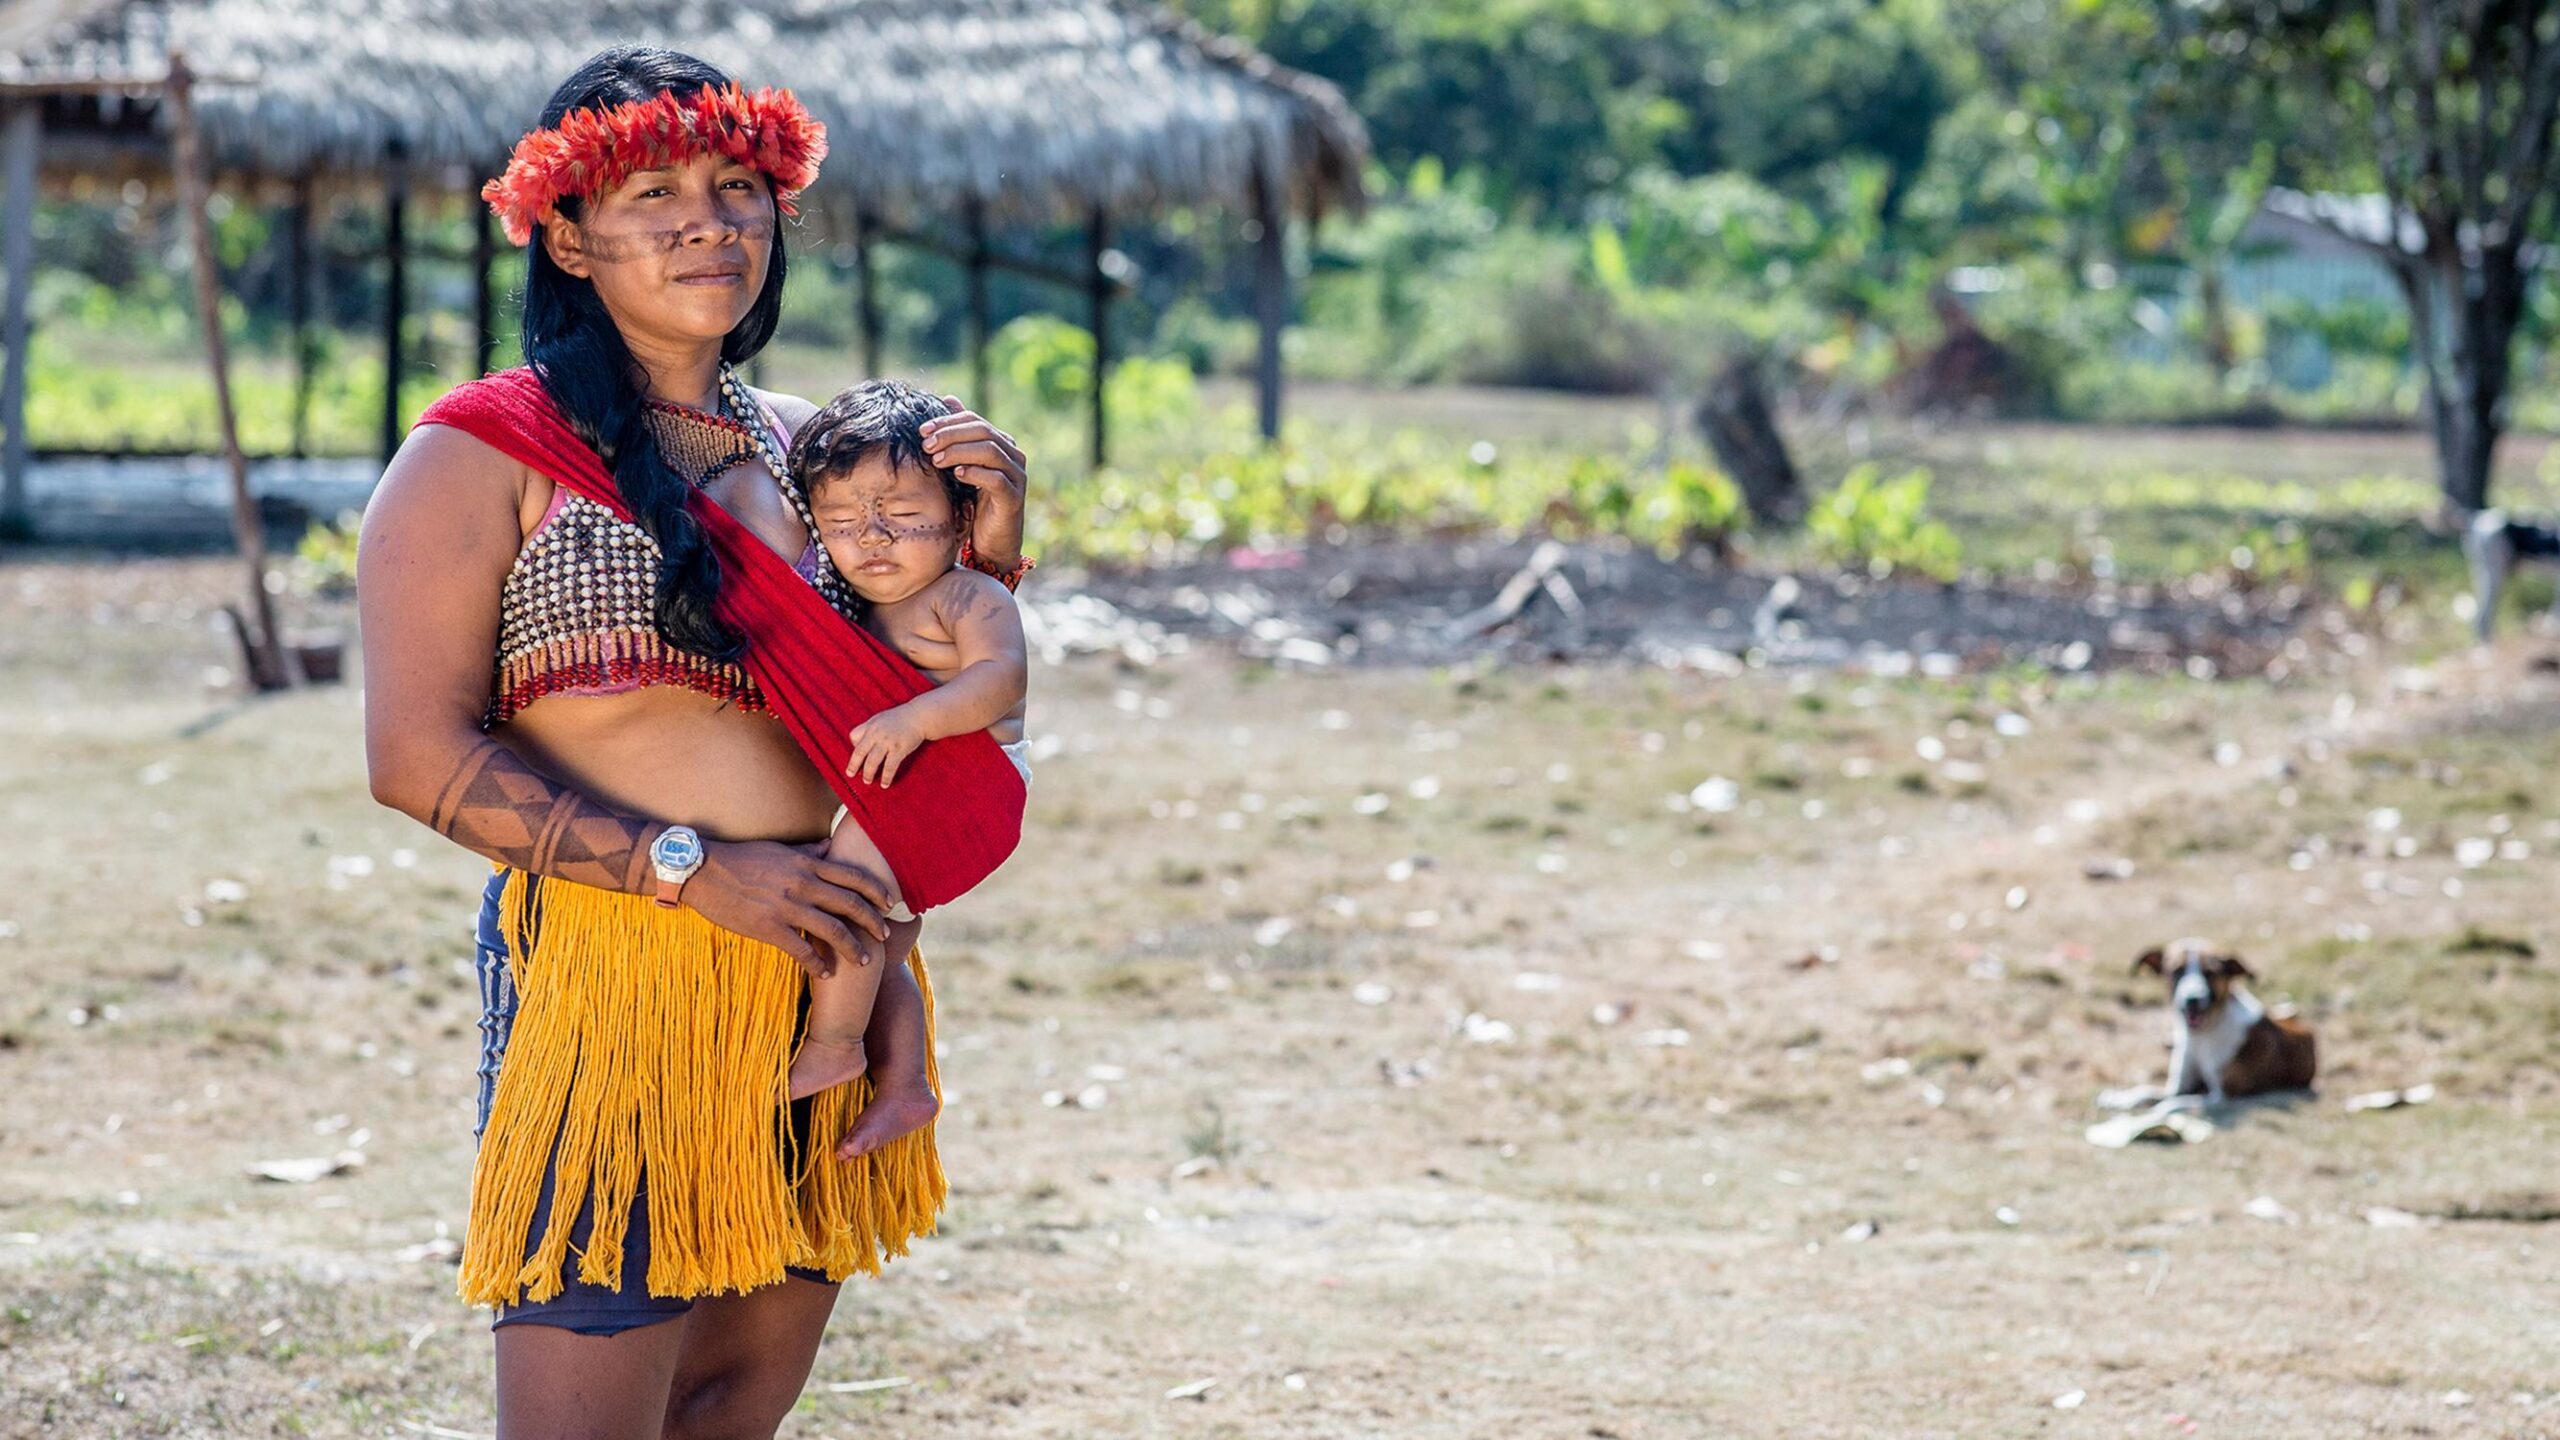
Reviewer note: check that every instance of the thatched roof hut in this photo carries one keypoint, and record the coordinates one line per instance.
(945, 117)
(1035, 109)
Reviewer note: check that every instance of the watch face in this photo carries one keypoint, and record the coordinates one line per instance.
(677, 849)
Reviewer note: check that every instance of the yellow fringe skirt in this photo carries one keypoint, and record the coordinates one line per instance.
(649, 1040)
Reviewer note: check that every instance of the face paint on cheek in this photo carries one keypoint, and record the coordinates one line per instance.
(623, 249)
(876, 523)
(942, 531)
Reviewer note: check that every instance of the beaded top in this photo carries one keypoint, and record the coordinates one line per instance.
(577, 613)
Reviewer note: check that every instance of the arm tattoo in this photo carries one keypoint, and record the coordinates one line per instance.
(496, 805)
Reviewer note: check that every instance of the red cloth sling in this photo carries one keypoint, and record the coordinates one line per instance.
(955, 812)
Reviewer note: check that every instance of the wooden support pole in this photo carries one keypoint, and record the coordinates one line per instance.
(866, 300)
(1270, 301)
(20, 129)
(484, 284)
(1067, 276)
(298, 309)
(267, 656)
(395, 297)
(1097, 244)
(977, 398)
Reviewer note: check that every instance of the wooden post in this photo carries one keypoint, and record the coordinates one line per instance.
(298, 309)
(1270, 300)
(23, 123)
(866, 294)
(484, 300)
(395, 299)
(266, 653)
(978, 398)
(1097, 242)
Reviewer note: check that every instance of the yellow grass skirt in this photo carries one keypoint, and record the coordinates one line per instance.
(649, 1039)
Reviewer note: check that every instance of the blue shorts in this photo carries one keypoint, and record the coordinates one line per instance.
(582, 1306)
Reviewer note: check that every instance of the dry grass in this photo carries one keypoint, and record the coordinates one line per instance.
(1574, 1230)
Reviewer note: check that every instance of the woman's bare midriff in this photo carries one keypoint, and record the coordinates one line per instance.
(680, 756)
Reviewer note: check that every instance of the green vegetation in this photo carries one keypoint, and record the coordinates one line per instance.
(1883, 526)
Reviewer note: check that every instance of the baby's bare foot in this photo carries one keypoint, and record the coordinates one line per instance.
(823, 1064)
(896, 1109)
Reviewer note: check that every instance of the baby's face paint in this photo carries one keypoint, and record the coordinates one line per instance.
(890, 532)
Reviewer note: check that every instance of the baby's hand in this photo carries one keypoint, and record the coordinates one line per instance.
(881, 743)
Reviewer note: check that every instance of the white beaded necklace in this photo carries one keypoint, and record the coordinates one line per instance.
(743, 408)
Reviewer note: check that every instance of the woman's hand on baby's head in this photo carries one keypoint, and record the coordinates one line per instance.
(882, 743)
(978, 454)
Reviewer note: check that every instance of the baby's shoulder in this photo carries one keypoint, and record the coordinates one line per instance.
(961, 589)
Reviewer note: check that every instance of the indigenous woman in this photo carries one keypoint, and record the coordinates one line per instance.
(604, 651)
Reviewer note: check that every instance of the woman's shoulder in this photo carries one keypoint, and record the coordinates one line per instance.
(439, 454)
(443, 465)
(791, 410)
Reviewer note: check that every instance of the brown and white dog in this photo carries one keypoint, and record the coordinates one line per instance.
(2226, 1043)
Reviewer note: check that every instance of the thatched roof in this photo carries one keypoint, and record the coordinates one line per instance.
(1038, 109)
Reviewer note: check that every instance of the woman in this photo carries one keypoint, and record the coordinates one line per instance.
(505, 710)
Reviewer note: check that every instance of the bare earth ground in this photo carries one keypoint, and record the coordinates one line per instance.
(1403, 1050)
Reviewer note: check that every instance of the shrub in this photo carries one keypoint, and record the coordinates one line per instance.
(1695, 506)
(1883, 525)
(324, 562)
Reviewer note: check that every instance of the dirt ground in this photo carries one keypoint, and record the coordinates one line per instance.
(1536, 1051)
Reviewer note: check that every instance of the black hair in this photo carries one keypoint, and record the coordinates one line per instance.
(876, 415)
(579, 355)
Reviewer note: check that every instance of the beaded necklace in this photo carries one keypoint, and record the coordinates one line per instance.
(742, 407)
(697, 444)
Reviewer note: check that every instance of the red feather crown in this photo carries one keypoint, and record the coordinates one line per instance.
(591, 151)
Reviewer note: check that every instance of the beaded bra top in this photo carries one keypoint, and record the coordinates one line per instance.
(577, 614)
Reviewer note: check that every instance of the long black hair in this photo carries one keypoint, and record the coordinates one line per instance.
(578, 353)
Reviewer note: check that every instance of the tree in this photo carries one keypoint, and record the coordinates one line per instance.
(1731, 284)
(2448, 107)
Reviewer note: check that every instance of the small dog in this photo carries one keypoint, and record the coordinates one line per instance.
(2226, 1043)
(2496, 545)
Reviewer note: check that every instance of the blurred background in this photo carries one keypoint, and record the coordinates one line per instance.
(1643, 606)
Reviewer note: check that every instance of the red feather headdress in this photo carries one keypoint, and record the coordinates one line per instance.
(591, 151)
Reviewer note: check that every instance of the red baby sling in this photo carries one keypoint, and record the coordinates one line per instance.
(955, 813)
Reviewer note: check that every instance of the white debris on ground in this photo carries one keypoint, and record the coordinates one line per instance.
(1433, 602)
(2169, 1122)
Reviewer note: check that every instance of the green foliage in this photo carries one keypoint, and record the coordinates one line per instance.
(1045, 363)
(1595, 195)
(1883, 525)
(102, 392)
(1556, 101)
(2266, 553)
(1521, 308)
(324, 560)
(1695, 506)
(1335, 480)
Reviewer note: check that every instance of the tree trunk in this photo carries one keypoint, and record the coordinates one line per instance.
(1742, 428)
(270, 663)
(2463, 322)
(2218, 347)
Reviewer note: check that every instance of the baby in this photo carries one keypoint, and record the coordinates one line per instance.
(892, 522)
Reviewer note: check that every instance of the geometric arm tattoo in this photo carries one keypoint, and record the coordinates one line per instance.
(495, 805)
